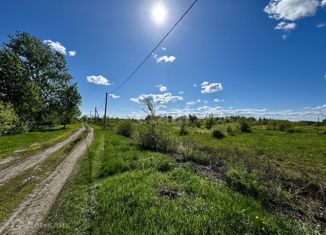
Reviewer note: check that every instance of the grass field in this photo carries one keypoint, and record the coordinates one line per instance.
(121, 189)
(301, 154)
(37, 139)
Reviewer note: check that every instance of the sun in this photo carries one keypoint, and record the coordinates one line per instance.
(159, 13)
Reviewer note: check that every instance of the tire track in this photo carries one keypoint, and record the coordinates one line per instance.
(28, 217)
(35, 159)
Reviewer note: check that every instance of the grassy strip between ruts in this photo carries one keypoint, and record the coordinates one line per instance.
(123, 190)
(14, 191)
(33, 141)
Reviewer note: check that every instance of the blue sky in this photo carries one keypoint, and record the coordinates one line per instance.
(254, 58)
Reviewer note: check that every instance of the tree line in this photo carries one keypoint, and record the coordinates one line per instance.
(36, 88)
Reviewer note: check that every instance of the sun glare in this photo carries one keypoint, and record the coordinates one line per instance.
(159, 13)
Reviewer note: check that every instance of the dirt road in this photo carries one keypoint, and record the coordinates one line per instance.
(28, 217)
(29, 162)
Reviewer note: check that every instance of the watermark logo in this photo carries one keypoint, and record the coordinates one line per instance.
(21, 225)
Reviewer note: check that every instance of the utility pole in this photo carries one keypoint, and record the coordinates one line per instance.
(106, 101)
(95, 114)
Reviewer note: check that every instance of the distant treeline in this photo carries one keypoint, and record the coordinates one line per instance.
(35, 86)
(209, 121)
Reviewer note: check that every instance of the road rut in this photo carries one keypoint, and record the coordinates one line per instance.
(29, 216)
(35, 159)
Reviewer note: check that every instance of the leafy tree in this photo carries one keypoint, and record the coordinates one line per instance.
(69, 103)
(33, 78)
(8, 119)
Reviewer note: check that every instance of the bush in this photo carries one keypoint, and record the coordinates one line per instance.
(245, 127)
(244, 181)
(9, 122)
(155, 138)
(183, 127)
(210, 122)
(290, 130)
(125, 128)
(283, 126)
(218, 134)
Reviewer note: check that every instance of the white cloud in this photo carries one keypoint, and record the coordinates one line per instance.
(217, 100)
(320, 25)
(205, 102)
(285, 26)
(325, 76)
(99, 80)
(72, 53)
(198, 101)
(114, 96)
(323, 3)
(162, 88)
(165, 59)
(180, 92)
(191, 103)
(157, 98)
(208, 88)
(194, 85)
(291, 9)
(163, 48)
(308, 113)
(57, 46)
(161, 107)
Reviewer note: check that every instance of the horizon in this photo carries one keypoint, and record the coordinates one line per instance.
(253, 59)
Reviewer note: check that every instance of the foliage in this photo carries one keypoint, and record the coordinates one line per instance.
(218, 134)
(246, 182)
(245, 127)
(156, 138)
(9, 123)
(141, 199)
(210, 121)
(35, 80)
(68, 104)
(183, 126)
(125, 128)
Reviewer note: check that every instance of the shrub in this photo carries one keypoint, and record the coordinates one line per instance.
(283, 126)
(155, 138)
(290, 130)
(9, 122)
(245, 127)
(218, 134)
(210, 122)
(231, 130)
(183, 127)
(244, 181)
(125, 128)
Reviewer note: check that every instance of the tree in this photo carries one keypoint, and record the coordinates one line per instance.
(32, 78)
(8, 119)
(69, 103)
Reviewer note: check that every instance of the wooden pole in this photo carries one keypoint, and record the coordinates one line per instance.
(106, 101)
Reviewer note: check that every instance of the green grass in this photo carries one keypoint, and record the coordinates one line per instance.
(299, 154)
(123, 190)
(13, 192)
(38, 139)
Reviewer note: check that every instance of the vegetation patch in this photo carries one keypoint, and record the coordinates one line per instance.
(142, 199)
(23, 141)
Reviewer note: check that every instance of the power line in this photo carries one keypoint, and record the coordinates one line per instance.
(154, 49)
